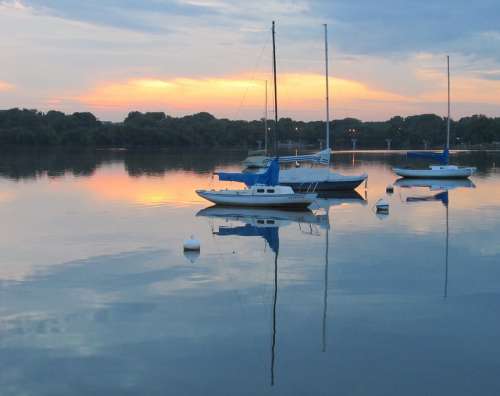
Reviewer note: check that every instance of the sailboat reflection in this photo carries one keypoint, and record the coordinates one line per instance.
(443, 186)
(435, 184)
(265, 223)
(325, 202)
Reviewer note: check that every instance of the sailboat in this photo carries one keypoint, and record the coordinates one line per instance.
(321, 179)
(443, 170)
(262, 189)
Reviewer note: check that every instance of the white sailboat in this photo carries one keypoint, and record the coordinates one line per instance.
(263, 188)
(322, 179)
(259, 196)
(443, 170)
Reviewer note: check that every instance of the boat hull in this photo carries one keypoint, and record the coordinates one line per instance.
(457, 173)
(314, 179)
(341, 185)
(277, 200)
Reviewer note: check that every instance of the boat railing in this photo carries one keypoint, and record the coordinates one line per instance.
(312, 187)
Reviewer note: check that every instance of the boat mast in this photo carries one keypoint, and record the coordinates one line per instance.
(275, 96)
(265, 123)
(448, 120)
(327, 92)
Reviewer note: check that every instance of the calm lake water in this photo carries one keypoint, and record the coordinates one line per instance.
(98, 298)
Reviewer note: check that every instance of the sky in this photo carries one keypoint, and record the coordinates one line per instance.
(386, 58)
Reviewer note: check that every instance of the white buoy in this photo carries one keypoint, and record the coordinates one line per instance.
(389, 189)
(382, 206)
(192, 244)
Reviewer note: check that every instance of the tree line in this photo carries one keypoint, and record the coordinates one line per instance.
(25, 127)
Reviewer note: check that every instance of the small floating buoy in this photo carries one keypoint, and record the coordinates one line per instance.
(192, 244)
(389, 189)
(382, 206)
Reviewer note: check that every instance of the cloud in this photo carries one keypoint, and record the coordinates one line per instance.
(83, 47)
(5, 86)
(393, 27)
(300, 95)
(122, 14)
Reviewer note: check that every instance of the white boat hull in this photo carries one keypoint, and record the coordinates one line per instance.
(230, 198)
(437, 172)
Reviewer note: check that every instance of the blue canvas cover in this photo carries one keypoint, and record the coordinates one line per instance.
(269, 178)
(442, 158)
(270, 234)
(442, 196)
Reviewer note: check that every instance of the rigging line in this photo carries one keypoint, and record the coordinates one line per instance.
(257, 64)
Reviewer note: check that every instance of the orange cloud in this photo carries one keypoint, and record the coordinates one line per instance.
(464, 88)
(297, 91)
(5, 86)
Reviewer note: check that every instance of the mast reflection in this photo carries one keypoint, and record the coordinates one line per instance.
(265, 223)
(444, 186)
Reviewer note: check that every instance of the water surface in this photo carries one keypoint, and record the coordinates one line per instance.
(98, 298)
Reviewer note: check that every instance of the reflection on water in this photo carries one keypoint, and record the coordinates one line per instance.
(97, 296)
(443, 197)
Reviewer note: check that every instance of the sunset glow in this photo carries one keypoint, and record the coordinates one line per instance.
(4, 86)
(296, 92)
(175, 188)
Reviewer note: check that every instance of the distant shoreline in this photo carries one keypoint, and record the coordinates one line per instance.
(31, 128)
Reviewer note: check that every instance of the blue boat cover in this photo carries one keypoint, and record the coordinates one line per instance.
(269, 178)
(442, 158)
(442, 196)
(270, 234)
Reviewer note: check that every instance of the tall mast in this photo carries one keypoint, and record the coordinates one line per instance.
(275, 96)
(265, 123)
(327, 92)
(448, 121)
